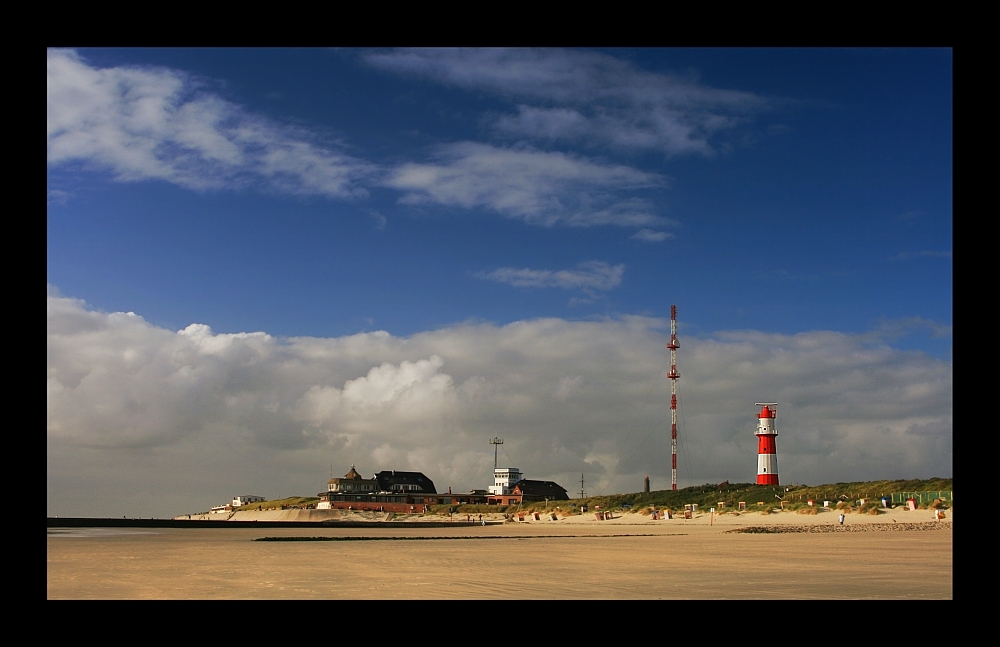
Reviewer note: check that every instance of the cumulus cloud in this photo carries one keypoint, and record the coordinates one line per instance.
(584, 96)
(163, 124)
(538, 187)
(590, 276)
(131, 405)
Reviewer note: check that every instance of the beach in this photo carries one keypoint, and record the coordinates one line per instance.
(896, 555)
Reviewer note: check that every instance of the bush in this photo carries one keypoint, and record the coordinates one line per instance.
(812, 511)
(871, 507)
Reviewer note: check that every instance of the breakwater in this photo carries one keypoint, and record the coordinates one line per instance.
(91, 522)
(861, 527)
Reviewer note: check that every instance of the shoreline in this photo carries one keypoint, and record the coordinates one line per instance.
(824, 521)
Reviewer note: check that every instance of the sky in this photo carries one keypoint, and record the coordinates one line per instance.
(268, 265)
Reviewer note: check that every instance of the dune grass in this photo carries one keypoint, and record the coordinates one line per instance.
(276, 504)
(794, 497)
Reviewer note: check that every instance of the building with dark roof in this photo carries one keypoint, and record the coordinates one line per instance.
(530, 490)
(393, 481)
(540, 490)
(389, 491)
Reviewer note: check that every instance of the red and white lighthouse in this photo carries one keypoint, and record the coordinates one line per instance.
(767, 452)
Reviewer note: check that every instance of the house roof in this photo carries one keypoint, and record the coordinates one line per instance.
(350, 476)
(549, 489)
(387, 478)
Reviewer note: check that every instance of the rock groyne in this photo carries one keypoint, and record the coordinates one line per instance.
(865, 527)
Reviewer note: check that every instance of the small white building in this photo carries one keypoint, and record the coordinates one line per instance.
(245, 499)
(504, 478)
(219, 509)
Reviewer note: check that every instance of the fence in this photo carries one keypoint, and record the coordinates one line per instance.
(921, 497)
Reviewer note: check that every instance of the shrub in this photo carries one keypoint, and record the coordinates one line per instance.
(812, 511)
(871, 507)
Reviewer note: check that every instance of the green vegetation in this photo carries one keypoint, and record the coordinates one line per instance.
(708, 496)
(281, 504)
(865, 489)
(843, 496)
(871, 506)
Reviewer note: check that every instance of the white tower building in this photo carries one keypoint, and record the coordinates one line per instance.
(504, 478)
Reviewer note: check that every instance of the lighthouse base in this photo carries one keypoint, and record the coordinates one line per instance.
(767, 479)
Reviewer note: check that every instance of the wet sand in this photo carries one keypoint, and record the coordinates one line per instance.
(520, 561)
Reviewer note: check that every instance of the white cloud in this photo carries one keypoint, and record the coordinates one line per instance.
(592, 275)
(905, 256)
(156, 123)
(380, 220)
(584, 96)
(191, 417)
(652, 236)
(539, 187)
(890, 330)
(163, 124)
(568, 386)
(58, 196)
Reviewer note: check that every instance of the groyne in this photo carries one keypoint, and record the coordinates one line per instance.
(92, 522)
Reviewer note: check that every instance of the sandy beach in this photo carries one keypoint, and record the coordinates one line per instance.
(628, 557)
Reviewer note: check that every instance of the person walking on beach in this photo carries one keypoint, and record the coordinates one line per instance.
(842, 518)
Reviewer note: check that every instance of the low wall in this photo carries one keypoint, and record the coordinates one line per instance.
(90, 522)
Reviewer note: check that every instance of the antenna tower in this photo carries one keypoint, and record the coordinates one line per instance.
(583, 495)
(496, 442)
(673, 375)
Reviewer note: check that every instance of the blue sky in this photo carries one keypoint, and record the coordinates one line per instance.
(774, 195)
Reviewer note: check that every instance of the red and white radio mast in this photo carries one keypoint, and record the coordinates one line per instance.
(673, 375)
